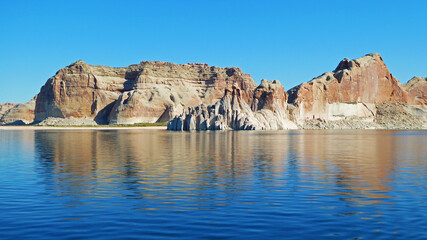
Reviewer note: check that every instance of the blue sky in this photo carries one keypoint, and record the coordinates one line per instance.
(291, 41)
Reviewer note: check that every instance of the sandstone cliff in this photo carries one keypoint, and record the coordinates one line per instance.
(146, 92)
(19, 114)
(268, 111)
(417, 91)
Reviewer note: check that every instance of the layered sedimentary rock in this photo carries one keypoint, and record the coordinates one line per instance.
(417, 91)
(20, 114)
(352, 90)
(146, 92)
(267, 111)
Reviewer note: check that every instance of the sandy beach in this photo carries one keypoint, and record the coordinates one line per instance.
(80, 128)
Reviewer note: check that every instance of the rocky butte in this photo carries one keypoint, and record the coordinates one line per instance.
(359, 93)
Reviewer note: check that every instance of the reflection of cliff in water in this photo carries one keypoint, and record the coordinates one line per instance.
(161, 158)
(147, 162)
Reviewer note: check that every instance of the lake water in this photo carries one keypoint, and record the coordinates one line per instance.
(151, 184)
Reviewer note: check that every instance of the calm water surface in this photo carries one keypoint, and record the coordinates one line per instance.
(146, 184)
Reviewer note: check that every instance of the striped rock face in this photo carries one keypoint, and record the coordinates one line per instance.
(145, 92)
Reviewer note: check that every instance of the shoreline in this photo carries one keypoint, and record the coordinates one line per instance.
(79, 128)
(26, 127)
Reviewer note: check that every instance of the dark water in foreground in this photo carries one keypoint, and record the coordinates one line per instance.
(145, 184)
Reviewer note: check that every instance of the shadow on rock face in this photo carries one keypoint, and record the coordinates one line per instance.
(17, 122)
(102, 116)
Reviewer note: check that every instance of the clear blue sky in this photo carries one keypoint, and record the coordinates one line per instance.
(291, 41)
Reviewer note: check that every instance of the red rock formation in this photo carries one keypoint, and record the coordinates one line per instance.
(364, 80)
(138, 93)
(417, 91)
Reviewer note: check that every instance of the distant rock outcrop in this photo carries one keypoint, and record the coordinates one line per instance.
(146, 92)
(417, 91)
(4, 107)
(20, 114)
(268, 111)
